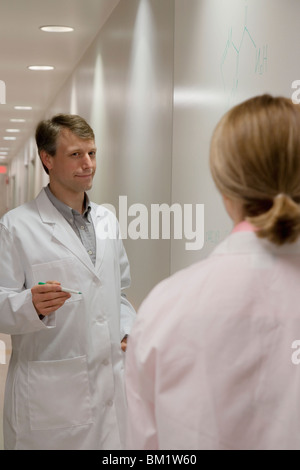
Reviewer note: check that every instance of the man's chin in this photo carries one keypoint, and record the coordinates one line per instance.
(85, 185)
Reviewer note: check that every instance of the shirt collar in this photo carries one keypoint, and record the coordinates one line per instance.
(65, 210)
(244, 226)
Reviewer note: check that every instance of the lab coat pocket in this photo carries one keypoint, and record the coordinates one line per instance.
(58, 394)
(63, 271)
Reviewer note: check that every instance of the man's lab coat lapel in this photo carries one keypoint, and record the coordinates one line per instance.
(100, 221)
(64, 233)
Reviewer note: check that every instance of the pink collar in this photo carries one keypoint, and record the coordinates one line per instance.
(244, 226)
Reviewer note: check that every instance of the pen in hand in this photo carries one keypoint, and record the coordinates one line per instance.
(63, 289)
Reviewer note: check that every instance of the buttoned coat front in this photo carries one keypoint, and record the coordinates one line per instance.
(65, 382)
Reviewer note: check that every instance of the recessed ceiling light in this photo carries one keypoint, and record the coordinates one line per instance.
(56, 29)
(12, 130)
(3, 153)
(40, 67)
(25, 108)
(9, 138)
(17, 120)
(4, 148)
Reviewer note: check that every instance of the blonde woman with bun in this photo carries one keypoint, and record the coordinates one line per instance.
(255, 162)
(210, 361)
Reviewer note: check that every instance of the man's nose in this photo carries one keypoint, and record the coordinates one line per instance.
(87, 161)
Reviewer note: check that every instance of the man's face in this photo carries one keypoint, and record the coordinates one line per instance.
(73, 167)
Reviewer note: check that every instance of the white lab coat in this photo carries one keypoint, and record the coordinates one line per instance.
(213, 358)
(65, 382)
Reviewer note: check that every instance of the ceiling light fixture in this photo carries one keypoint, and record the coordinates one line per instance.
(17, 120)
(40, 67)
(12, 130)
(9, 138)
(25, 108)
(3, 153)
(57, 29)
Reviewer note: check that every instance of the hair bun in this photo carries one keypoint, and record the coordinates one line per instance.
(281, 223)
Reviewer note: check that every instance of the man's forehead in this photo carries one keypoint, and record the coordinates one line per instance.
(67, 138)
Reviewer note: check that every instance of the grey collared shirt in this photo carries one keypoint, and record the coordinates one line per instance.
(82, 224)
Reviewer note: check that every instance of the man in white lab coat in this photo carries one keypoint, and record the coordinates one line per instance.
(65, 382)
(213, 358)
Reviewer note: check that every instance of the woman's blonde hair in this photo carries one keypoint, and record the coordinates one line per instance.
(255, 158)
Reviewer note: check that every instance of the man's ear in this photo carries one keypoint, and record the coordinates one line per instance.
(46, 159)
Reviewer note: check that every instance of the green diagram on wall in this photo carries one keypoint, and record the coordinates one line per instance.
(242, 58)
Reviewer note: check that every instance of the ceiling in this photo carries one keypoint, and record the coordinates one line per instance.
(22, 43)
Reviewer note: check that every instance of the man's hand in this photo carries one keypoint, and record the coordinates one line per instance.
(48, 297)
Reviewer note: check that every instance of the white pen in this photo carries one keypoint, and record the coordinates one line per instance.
(64, 289)
(70, 291)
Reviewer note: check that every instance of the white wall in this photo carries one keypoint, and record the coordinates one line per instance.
(4, 193)
(5, 353)
(225, 52)
(123, 86)
(153, 85)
